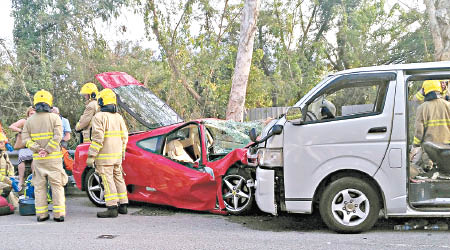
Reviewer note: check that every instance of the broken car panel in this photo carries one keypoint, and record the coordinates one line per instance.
(198, 165)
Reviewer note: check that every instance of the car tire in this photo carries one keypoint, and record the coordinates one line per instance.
(94, 188)
(237, 195)
(349, 205)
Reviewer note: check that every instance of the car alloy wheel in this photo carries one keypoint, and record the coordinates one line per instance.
(237, 196)
(94, 188)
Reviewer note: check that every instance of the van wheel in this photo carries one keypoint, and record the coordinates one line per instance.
(94, 188)
(349, 205)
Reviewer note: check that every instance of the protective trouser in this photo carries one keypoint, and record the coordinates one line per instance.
(54, 173)
(114, 184)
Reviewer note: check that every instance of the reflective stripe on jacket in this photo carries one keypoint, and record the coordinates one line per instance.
(419, 97)
(109, 138)
(433, 122)
(43, 130)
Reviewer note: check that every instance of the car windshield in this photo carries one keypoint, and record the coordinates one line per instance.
(229, 135)
(145, 106)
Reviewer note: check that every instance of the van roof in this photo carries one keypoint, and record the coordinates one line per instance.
(410, 66)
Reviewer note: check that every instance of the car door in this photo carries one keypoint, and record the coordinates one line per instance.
(347, 126)
(165, 179)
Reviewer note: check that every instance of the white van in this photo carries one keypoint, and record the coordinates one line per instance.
(343, 148)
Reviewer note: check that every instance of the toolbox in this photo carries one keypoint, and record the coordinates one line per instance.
(26, 206)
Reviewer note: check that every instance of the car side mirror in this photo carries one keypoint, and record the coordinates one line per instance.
(253, 135)
(294, 115)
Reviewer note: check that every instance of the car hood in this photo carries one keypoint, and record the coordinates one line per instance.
(138, 100)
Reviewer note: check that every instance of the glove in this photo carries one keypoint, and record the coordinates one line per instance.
(77, 126)
(15, 184)
(90, 161)
(6, 180)
(9, 147)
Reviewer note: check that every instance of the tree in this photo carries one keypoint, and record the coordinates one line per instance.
(235, 109)
(439, 16)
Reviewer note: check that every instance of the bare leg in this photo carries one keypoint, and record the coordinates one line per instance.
(21, 168)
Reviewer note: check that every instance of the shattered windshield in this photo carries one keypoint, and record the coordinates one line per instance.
(229, 135)
(145, 106)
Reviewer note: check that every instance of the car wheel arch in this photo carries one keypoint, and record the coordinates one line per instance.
(347, 173)
(83, 178)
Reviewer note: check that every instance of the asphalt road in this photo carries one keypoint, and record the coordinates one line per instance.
(159, 227)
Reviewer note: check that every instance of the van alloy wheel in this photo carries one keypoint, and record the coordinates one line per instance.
(237, 195)
(94, 188)
(350, 207)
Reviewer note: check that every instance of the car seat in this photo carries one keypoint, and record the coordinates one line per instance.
(176, 151)
(440, 154)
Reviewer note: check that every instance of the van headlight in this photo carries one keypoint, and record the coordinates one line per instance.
(269, 157)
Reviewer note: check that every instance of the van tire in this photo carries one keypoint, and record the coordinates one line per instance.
(349, 205)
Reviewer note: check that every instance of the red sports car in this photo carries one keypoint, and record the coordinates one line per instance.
(198, 165)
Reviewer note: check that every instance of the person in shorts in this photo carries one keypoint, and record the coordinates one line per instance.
(25, 154)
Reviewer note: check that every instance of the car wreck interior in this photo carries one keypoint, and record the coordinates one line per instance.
(184, 145)
(429, 165)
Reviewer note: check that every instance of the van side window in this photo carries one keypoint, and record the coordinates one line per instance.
(346, 100)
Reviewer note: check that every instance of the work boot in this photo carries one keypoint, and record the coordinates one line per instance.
(111, 212)
(6, 192)
(123, 208)
(60, 219)
(40, 219)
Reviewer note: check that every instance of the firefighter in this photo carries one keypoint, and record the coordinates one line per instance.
(420, 95)
(90, 93)
(42, 133)
(6, 168)
(433, 116)
(107, 150)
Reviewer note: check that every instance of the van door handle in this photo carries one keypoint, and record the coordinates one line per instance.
(378, 130)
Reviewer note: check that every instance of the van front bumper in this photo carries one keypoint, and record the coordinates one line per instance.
(265, 190)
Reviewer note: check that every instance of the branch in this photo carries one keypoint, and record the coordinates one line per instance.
(219, 37)
(170, 56)
(308, 26)
(174, 33)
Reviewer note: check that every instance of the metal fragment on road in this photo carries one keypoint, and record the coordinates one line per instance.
(107, 236)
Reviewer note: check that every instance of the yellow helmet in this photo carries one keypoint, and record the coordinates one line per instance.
(89, 89)
(431, 85)
(106, 97)
(43, 96)
(3, 137)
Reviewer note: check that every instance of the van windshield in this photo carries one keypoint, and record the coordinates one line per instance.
(313, 90)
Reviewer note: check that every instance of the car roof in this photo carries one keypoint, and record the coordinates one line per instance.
(410, 66)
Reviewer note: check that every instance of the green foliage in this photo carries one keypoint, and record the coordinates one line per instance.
(57, 47)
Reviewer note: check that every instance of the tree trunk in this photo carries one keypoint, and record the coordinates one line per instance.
(439, 16)
(235, 109)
